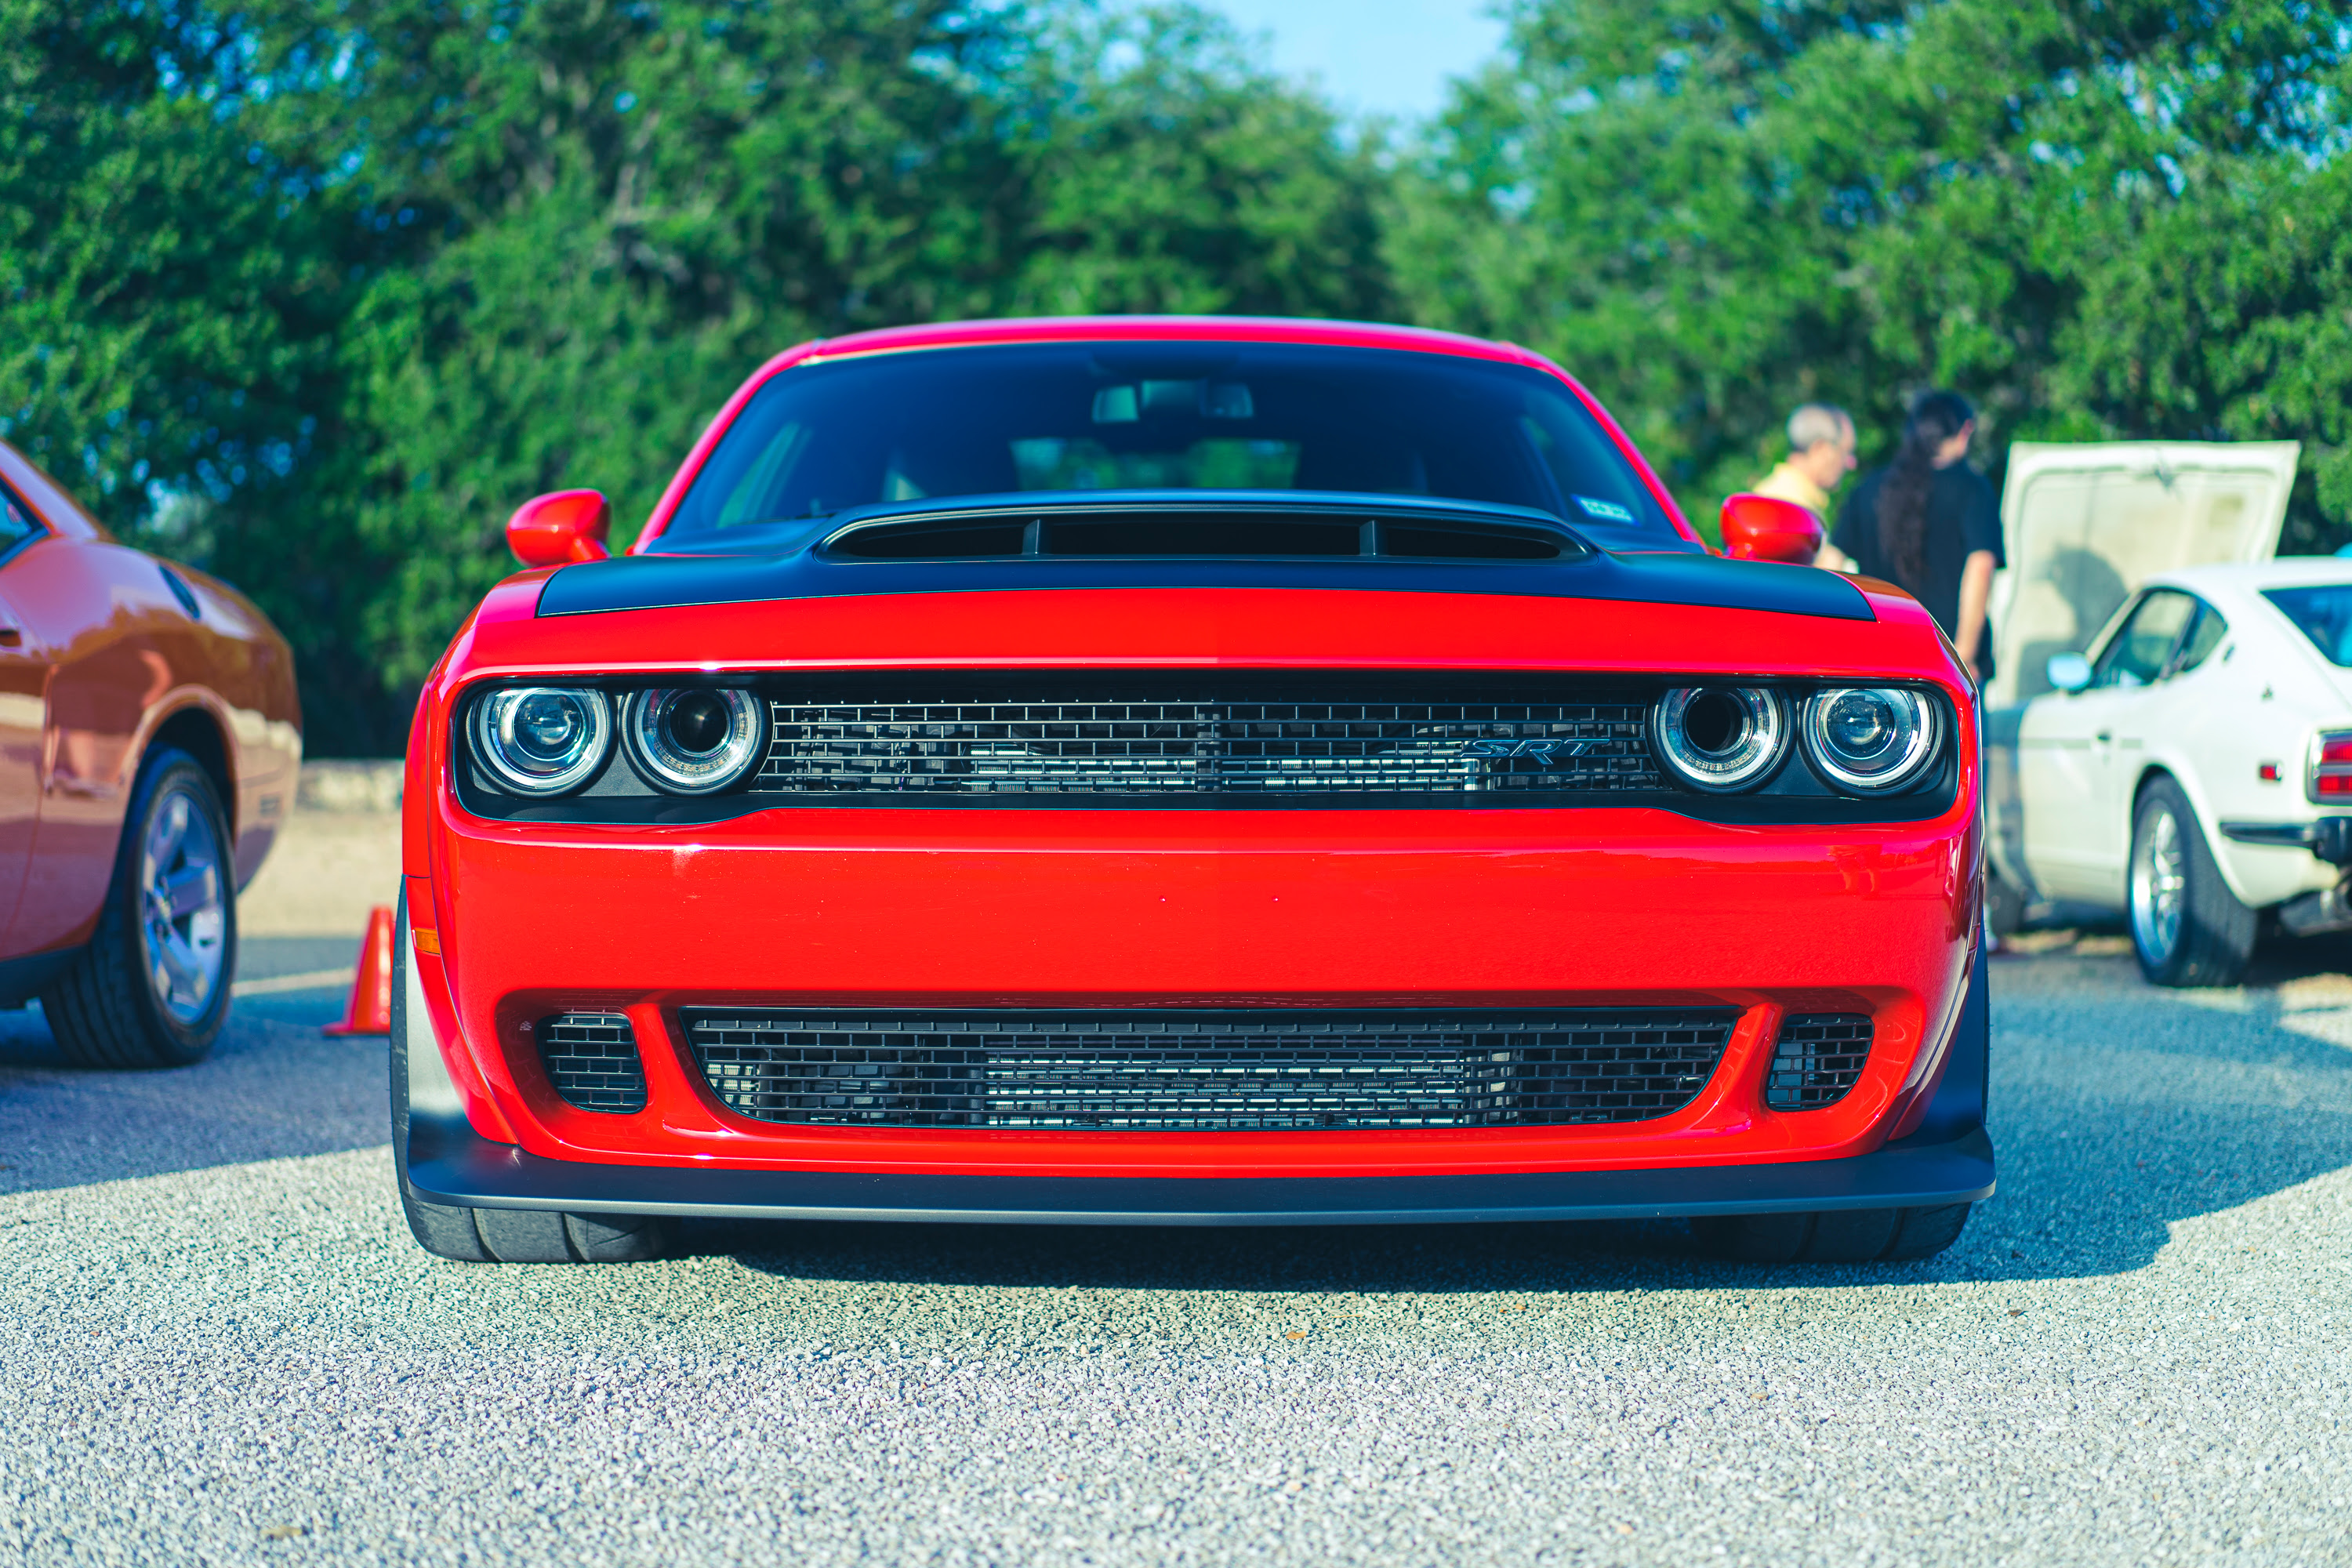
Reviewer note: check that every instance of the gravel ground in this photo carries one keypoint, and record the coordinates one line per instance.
(218, 1344)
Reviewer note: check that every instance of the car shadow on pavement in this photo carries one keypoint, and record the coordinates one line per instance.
(273, 1087)
(2118, 1110)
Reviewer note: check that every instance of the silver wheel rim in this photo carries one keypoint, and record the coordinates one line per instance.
(182, 913)
(2158, 882)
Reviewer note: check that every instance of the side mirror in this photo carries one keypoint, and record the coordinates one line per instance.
(556, 529)
(1761, 528)
(2069, 671)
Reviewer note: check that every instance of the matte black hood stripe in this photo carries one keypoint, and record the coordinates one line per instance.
(680, 582)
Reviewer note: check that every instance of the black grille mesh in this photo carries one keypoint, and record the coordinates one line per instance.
(1819, 1057)
(1169, 1070)
(591, 1059)
(1263, 743)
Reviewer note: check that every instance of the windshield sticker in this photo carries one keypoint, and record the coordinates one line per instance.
(1607, 510)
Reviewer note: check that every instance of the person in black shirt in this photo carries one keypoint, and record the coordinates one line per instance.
(1930, 524)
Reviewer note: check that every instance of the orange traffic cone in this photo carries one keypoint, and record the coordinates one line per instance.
(369, 1012)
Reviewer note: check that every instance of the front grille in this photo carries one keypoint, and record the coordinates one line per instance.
(1197, 736)
(1819, 1057)
(1188, 1070)
(591, 1059)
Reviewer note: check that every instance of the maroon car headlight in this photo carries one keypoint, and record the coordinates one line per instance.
(542, 739)
(1870, 738)
(694, 740)
(1721, 738)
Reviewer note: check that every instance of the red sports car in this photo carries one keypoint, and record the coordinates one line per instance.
(150, 739)
(1185, 771)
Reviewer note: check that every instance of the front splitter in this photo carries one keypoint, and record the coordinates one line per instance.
(448, 1163)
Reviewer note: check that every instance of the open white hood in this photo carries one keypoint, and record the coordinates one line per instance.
(2085, 525)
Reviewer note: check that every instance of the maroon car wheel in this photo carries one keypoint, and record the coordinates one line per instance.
(152, 989)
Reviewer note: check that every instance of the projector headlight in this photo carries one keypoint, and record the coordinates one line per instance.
(1721, 738)
(694, 740)
(541, 740)
(1871, 738)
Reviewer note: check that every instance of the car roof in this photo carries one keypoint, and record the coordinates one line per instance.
(1172, 329)
(2253, 576)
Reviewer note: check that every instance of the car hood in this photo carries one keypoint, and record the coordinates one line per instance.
(2084, 525)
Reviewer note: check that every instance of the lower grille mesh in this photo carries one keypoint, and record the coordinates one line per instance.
(591, 1059)
(1174, 1070)
(1819, 1057)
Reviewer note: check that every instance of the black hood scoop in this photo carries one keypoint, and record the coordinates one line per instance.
(1430, 548)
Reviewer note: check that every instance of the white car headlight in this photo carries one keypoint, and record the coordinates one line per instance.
(1721, 738)
(695, 740)
(1871, 738)
(542, 739)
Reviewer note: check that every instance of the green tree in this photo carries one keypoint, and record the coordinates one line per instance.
(2102, 218)
(315, 296)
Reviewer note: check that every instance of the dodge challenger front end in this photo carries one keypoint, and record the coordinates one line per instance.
(1184, 771)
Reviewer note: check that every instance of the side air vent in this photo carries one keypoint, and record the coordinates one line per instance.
(591, 1059)
(1819, 1056)
(1193, 534)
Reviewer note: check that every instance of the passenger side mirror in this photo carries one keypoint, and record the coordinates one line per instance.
(2069, 671)
(1761, 528)
(556, 529)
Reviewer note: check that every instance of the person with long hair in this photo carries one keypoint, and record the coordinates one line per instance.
(1929, 524)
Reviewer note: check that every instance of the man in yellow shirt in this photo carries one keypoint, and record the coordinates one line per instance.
(1821, 455)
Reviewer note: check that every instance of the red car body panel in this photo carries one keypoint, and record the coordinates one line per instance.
(983, 907)
(104, 660)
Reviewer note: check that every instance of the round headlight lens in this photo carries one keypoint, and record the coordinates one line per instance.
(1721, 738)
(694, 740)
(541, 740)
(1870, 738)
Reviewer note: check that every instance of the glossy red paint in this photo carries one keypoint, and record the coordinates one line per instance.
(566, 526)
(1287, 907)
(1140, 328)
(106, 661)
(510, 921)
(1765, 528)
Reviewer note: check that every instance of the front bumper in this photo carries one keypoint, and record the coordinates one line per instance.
(441, 1159)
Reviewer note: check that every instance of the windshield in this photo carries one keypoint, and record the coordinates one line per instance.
(1073, 418)
(2323, 614)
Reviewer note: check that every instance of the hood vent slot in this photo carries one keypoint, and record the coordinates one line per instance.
(1182, 535)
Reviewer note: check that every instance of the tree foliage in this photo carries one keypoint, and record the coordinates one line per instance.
(312, 292)
(2101, 218)
(315, 294)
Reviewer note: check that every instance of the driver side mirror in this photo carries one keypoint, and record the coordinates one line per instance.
(562, 528)
(1762, 528)
(2069, 672)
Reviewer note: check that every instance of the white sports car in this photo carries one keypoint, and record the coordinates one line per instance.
(2193, 769)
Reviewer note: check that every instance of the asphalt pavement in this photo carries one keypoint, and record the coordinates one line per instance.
(218, 1344)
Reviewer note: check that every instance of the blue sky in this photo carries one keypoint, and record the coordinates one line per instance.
(1386, 57)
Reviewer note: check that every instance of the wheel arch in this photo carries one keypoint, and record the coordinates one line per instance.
(195, 730)
(2216, 848)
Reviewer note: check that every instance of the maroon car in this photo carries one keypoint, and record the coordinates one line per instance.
(149, 740)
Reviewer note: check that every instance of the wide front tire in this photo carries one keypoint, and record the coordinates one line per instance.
(152, 989)
(2187, 927)
(1840, 1236)
(466, 1234)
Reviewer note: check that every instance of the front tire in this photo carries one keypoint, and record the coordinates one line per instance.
(2187, 927)
(152, 989)
(466, 1234)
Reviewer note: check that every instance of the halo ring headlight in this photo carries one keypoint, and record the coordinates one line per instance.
(1721, 738)
(1869, 739)
(694, 740)
(542, 739)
